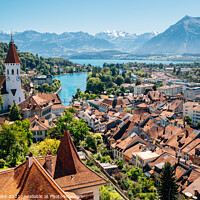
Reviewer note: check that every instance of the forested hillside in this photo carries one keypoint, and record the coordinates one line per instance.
(30, 61)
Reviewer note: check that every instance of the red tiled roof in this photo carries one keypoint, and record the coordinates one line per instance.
(23, 181)
(12, 56)
(70, 173)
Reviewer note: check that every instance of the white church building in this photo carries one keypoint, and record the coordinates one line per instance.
(10, 83)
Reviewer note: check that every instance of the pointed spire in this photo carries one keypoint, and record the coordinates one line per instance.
(70, 172)
(11, 38)
(12, 56)
(67, 157)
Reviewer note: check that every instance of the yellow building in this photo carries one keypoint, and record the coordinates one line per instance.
(142, 158)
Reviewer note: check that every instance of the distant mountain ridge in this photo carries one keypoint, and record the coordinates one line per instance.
(74, 43)
(182, 37)
(124, 41)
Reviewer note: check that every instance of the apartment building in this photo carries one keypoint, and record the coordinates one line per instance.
(94, 119)
(170, 90)
(140, 89)
(193, 110)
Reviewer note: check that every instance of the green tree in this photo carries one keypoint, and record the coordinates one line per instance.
(124, 183)
(198, 125)
(138, 82)
(168, 188)
(91, 143)
(119, 80)
(15, 139)
(119, 163)
(45, 87)
(135, 173)
(41, 148)
(188, 119)
(128, 80)
(15, 113)
(95, 85)
(114, 71)
(78, 130)
(106, 159)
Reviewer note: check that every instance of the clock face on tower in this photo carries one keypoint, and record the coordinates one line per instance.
(7, 78)
(18, 78)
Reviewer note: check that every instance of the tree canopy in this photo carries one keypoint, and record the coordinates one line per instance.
(168, 188)
(15, 113)
(14, 141)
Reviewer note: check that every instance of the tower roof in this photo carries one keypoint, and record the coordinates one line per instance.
(70, 171)
(12, 56)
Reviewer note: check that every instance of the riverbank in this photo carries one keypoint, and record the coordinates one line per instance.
(59, 89)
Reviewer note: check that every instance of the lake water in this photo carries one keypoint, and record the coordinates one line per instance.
(70, 82)
(101, 62)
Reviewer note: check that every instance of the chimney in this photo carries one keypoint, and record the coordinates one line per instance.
(29, 159)
(179, 159)
(186, 133)
(48, 162)
(163, 130)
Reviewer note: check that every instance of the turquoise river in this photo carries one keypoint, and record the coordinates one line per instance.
(70, 82)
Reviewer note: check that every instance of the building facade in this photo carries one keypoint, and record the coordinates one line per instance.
(170, 90)
(40, 80)
(11, 83)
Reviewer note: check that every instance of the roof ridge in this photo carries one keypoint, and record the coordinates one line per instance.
(7, 170)
(50, 179)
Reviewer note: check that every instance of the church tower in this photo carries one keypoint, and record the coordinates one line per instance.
(13, 78)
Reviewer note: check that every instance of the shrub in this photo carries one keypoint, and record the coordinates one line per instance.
(124, 183)
(106, 159)
(2, 163)
(98, 156)
(95, 168)
(90, 162)
(119, 163)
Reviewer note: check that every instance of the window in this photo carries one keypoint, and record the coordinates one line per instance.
(12, 71)
(39, 133)
(7, 71)
(17, 71)
(19, 99)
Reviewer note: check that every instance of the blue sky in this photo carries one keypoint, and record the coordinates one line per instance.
(92, 16)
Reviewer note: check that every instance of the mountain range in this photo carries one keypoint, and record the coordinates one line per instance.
(182, 37)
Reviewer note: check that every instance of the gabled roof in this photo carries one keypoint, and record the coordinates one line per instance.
(50, 97)
(194, 187)
(38, 123)
(70, 172)
(183, 138)
(34, 102)
(24, 181)
(12, 56)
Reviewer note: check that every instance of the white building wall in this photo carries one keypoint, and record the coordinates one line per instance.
(13, 81)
